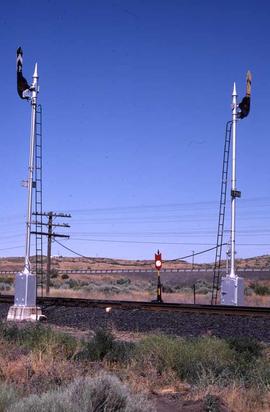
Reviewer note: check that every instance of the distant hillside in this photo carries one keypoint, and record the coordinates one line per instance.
(65, 263)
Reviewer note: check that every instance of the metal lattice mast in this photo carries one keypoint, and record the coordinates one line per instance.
(222, 209)
(38, 201)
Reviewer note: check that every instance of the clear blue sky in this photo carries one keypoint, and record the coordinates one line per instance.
(135, 96)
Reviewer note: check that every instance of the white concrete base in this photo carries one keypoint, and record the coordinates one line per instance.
(232, 291)
(25, 313)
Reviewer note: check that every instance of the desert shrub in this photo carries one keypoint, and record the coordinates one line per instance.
(121, 352)
(47, 402)
(206, 360)
(177, 287)
(123, 281)
(64, 286)
(8, 396)
(103, 393)
(54, 273)
(4, 286)
(260, 289)
(103, 345)
(6, 279)
(211, 403)
(202, 287)
(72, 283)
(97, 347)
(247, 347)
(167, 289)
(203, 283)
(40, 338)
(186, 289)
(203, 290)
(65, 276)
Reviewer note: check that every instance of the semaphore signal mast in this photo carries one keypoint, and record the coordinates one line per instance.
(24, 307)
(232, 286)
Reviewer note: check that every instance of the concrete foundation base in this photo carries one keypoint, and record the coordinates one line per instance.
(232, 291)
(25, 313)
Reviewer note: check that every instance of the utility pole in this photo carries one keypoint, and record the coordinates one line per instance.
(51, 235)
(193, 259)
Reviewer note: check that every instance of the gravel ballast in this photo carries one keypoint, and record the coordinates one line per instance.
(143, 321)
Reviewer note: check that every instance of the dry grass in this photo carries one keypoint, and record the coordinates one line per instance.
(237, 398)
(144, 296)
(36, 371)
(177, 297)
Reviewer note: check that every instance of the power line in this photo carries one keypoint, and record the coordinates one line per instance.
(168, 260)
(162, 243)
(141, 242)
(73, 251)
(162, 206)
(13, 247)
(195, 254)
(171, 260)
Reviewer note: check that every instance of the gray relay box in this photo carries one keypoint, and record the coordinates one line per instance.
(25, 290)
(232, 291)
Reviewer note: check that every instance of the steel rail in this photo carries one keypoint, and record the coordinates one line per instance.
(149, 306)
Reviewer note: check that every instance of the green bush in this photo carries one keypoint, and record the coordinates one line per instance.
(167, 289)
(7, 279)
(211, 403)
(206, 360)
(103, 393)
(259, 289)
(203, 290)
(4, 286)
(247, 347)
(121, 352)
(98, 347)
(54, 273)
(187, 357)
(123, 281)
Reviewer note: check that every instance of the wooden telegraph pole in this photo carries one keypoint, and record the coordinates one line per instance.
(51, 235)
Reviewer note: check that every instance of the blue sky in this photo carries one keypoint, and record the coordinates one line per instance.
(135, 96)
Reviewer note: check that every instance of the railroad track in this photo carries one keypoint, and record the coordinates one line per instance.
(149, 306)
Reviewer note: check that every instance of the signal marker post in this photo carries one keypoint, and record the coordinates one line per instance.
(24, 308)
(158, 264)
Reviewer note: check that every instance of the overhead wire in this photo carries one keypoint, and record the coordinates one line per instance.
(167, 260)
